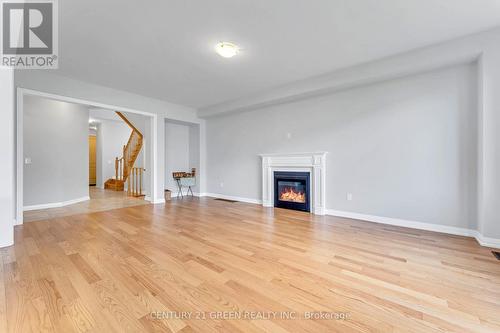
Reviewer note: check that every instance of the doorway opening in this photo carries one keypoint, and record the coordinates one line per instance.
(92, 158)
(65, 173)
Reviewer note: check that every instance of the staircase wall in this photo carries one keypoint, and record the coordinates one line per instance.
(111, 137)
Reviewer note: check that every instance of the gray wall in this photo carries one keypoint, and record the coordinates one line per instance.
(56, 139)
(176, 152)
(405, 148)
(182, 151)
(111, 138)
(194, 153)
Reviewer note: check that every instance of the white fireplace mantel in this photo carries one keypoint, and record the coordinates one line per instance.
(315, 163)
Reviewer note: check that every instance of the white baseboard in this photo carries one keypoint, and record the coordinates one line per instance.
(401, 222)
(173, 195)
(196, 194)
(484, 241)
(230, 197)
(56, 204)
(487, 241)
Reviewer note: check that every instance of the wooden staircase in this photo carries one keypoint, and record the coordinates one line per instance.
(125, 172)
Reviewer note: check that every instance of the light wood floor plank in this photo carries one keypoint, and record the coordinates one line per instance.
(201, 262)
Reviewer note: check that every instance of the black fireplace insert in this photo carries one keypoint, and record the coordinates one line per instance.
(291, 190)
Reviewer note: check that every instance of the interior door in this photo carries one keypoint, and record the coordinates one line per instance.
(92, 160)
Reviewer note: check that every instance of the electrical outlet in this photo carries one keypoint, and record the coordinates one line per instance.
(349, 196)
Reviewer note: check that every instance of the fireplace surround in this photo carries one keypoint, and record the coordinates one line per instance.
(313, 163)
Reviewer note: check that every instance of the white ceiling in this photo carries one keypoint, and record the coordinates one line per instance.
(164, 49)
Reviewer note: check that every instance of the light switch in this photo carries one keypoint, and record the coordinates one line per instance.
(27, 160)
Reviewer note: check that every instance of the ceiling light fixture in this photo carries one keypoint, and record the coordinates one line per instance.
(227, 49)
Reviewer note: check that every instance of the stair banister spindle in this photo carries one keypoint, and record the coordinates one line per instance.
(140, 183)
(129, 191)
(116, 168)
(136, 181)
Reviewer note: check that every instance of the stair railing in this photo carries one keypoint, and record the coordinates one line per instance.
(135, 182)
(124, 166)
(119, 168)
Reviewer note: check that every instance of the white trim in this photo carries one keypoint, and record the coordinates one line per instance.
(21, 92)
(154, 175)
(294, 154)
(230, 197)
(56, 204)
(81, 101)
(401, 222)
(483, 241)
(158, 201)
(19, 159)
(196, 194)
(486, 241)
(7, 84)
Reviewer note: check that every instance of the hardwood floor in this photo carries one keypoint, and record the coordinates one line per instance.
(186, 265)
(100, 200)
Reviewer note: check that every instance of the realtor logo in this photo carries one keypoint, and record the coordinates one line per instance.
(29, 34)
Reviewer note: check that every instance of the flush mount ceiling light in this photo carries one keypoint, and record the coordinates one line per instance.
(227, 49)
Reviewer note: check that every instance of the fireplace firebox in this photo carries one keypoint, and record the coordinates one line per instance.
(291, 190)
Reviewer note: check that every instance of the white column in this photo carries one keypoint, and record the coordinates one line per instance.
(319, 172)
(267, 199)
(7, 194)
(158, 137)
(202, 172)
(489, 202)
